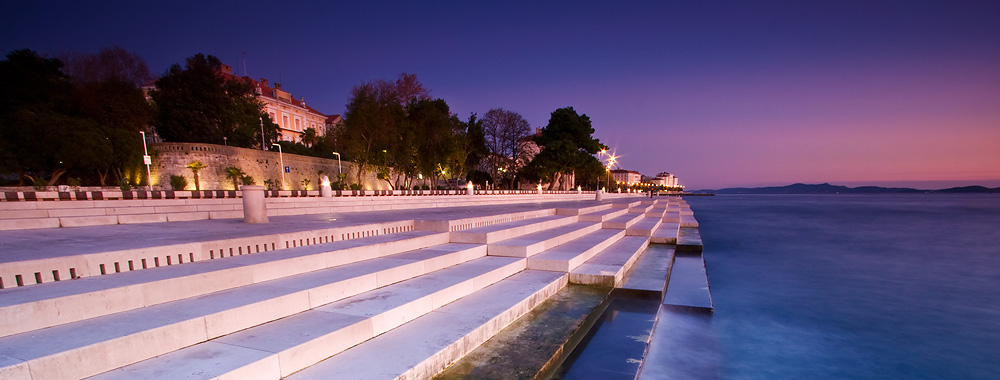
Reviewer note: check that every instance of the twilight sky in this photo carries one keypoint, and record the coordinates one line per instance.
(719, 93)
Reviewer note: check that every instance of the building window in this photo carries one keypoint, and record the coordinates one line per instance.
(298, 125)
(284, 121)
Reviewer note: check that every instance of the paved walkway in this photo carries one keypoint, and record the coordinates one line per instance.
(19, 245)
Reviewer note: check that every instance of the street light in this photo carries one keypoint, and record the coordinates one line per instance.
(147, 161)
(339, 170)
(281, 159)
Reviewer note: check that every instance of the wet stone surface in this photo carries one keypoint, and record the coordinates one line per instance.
(535, 342)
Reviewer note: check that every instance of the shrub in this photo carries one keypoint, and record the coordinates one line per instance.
(38, 183)
(270, 184)
(355, 186)
(305, 184)
(75, 182)
(178, 182)
(247, 180)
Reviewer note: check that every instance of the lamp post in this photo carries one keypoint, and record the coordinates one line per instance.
(147, 161)
(281, 160)
(262, 146)
(339, 170)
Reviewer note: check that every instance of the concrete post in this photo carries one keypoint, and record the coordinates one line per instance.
(324, 188)
(599, 195)
(254, 208)
(579, 190)
(539, 189)
(468, 189)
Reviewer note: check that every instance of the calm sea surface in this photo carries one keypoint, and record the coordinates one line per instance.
(848, 287)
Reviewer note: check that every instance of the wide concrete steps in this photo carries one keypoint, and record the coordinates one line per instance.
(568, 256)
(583, 210)
(280, 348)
(603, 215)
(624, 221)
(92, 346)
(645, 226)
(533, 243)
(29, 308)
(688, 220)
(423, 347)
(608, 267)
(689, 240)
(504, 231)
(666, 233)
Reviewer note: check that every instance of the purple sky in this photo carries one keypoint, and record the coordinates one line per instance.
(719, 93)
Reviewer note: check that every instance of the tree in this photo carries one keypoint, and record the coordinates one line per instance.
(567, 144)
(372, 120)
(410, 89)
(42, 127)
(110, 64)
(309, 137)
(195, 168)
(197, 103)
(430, 123)
(505, 133)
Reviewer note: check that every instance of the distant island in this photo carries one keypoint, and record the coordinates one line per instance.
(826, 188)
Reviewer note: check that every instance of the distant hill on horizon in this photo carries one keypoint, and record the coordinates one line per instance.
(826, 188)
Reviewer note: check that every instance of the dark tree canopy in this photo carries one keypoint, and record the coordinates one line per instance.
(372, 120)
(506, 134)
(110, 64)
(44, 129)
(197, 103)
(567, 145)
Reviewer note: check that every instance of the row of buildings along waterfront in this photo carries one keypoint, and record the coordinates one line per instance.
(631, 177)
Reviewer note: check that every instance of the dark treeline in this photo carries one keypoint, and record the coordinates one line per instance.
(77, 119)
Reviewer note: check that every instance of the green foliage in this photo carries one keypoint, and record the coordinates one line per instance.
(234, 174)
(195, 167)
(178, 182)
(123, 184)
(38, 183)
(305, 183)
(247, 180)
(505, 133)
(271, 184)
(74, 181)
(372, 122)
(197, 103)
(355, 186)
(567, 144)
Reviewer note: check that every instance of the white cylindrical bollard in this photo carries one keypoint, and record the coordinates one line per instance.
(254, 209)
(469, 189)
(579, 190)
(599, 195)
(324, 187)
(539, 189)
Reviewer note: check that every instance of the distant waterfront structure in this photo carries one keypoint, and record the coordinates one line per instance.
(626, 177)
(667, 179)
(289, 113)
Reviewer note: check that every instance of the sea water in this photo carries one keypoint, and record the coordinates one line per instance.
(844, 287)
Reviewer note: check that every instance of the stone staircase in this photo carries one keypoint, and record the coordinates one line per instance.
(400, 302)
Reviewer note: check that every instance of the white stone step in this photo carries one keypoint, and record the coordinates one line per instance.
(97, 345)
(623, 221)
(498, 232)
(280, 348)
(689, 239)
(688, 221)
(423, 347)
(44, 305)
(666, 233)
(608, 267)
(531, 244)
(641, 209)
(657, 211)
(644, 227)
(603, 215)
(672, 216)
(582, 210)
(567, 257)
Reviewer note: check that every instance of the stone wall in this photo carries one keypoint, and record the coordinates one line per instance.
(173, 158)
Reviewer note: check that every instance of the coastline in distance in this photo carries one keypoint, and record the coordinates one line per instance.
(826, 188)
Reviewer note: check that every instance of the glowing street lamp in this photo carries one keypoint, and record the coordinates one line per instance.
(339, 170)
(281, 160)
(147, 161)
